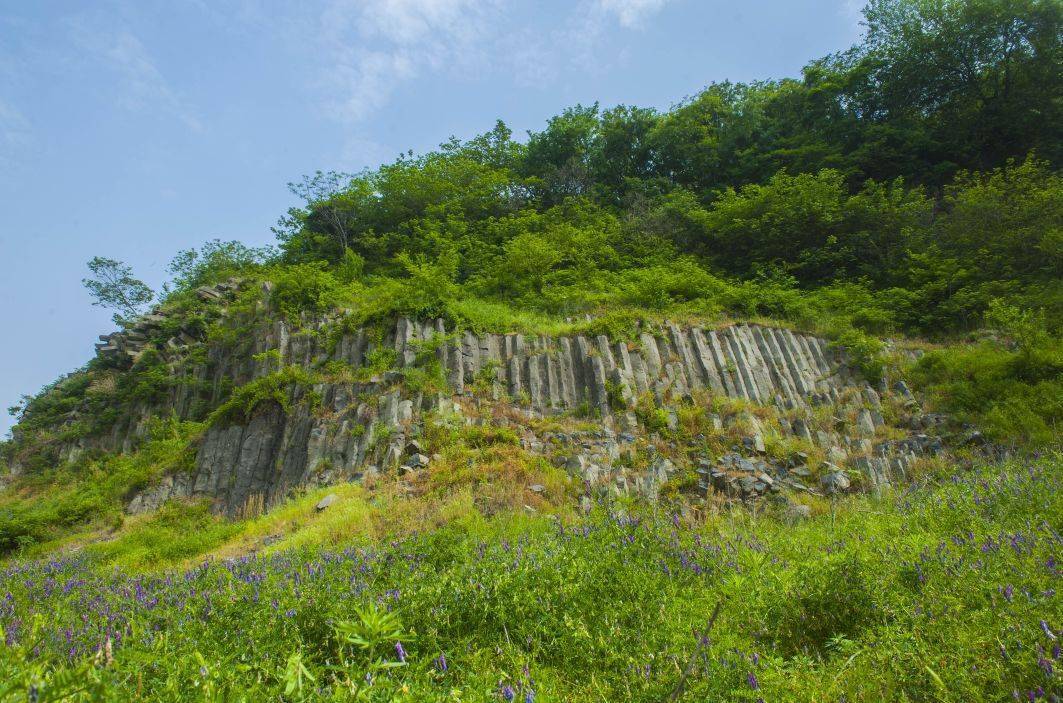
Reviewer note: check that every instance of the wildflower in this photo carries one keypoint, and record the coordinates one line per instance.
(441, 663)
(1047, 630)
(401, 652)
(751, 679)
(1008, 592)
(529, 696)
(508, 694)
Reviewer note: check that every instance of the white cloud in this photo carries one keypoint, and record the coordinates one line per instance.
(631, 13)
(375, 45)
(577, 43)
(359, 54)
(142, 85)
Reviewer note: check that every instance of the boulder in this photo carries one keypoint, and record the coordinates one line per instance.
(325, 502)
(835, 482)
(754, 443)
(795, 512)
(865, 423)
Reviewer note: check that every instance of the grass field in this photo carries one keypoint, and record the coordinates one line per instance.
(947, 592)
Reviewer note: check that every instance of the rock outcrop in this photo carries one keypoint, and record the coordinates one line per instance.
(354, 419)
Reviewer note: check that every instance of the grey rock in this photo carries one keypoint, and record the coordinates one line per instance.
(800, 430)
(865, 425)
(255, 463)
(835, 482)
(325, 502)
(795, 512)
(901, 389)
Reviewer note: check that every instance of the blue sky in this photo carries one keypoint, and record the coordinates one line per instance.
(135, 128)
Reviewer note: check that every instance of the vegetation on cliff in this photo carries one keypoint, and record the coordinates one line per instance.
(901, 187)
(906, 188)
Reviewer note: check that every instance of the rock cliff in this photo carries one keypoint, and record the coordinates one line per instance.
(362, 401)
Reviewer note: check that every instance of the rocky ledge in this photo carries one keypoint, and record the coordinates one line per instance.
(364, 421)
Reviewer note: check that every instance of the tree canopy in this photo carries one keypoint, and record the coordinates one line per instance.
(921, 163)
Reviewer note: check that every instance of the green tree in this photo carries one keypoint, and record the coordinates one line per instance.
(113, 286)
(1009, 220)
(559, 156)
(215, 261)
(985, 76)
(787, 221)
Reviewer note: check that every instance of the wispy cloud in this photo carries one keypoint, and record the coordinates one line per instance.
(631, 13)
(575, 43)
(141, 85)
(360, 54)
(375, 45)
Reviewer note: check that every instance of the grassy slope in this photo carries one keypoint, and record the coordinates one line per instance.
(941, 593)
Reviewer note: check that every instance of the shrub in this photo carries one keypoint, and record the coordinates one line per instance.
(275, 387)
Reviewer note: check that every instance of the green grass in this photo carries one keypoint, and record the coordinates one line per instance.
(1012, 395)
(92, 491)
(946, 593)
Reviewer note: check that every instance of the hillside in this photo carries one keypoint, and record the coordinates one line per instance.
(757, 398)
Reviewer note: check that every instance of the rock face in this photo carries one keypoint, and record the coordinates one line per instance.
(357, 427)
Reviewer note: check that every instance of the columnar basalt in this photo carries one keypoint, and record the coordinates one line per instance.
(339, 426)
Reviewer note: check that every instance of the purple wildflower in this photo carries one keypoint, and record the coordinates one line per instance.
(401, 652)
(751, 679)
(1047, 630)
(441, 663)
(508, 694)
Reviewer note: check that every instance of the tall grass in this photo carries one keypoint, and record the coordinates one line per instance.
(947, 593)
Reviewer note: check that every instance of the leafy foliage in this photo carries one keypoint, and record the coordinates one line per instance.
(113, 286)
(918, 168)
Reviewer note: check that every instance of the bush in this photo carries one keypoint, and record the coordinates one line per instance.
(298, 288)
